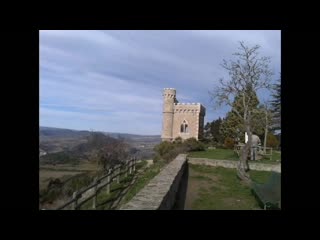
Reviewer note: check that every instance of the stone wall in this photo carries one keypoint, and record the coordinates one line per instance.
(233, 164)
(162, 191)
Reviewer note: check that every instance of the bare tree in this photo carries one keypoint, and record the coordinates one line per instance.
(105, 150)
(112, 154)
(247, 74)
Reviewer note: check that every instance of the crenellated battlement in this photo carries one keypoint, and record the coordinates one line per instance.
(169, 93)
(187, 104)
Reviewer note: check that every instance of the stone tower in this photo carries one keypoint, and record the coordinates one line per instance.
(169, 99)
(183, 120)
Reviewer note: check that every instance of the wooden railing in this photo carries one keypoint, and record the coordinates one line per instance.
(99, 183)
(265, 152)
(262, 151)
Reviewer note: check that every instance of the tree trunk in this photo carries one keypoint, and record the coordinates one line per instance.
(243, 166)
(265, 135)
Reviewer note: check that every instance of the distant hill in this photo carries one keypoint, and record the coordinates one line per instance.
(54, 140)
(63, 145)
(51, 132)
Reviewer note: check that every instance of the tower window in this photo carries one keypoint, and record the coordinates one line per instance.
(184, 127)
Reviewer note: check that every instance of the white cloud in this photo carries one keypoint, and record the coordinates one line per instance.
(96, 78)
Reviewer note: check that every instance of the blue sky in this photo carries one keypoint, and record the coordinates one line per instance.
(113, 80)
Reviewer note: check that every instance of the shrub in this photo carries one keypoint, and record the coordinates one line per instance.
(163, 148)
(54, 183)
(50, 195)
(192, 144)
(172, 154)
(272, 141)
(164, 151)
(57, 189)
(177, 140)
(76, 183)
(228, 143)
(156, 158)
(168, 151)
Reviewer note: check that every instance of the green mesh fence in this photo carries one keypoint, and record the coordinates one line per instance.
(269, 194)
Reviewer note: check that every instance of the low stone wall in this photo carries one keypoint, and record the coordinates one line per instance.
(162, 190)
(233, 164)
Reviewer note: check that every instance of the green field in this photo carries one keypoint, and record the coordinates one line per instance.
(220, 154)
(228, 154)
(217, 188)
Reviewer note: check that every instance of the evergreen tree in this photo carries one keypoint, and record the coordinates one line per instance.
(212, 131)
(207, 131)
(276, 106)
(215, 130)
(233, 126)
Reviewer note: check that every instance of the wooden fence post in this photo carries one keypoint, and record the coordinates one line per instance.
(134, 164)
(118, 173)
(94, 202)
(75, 203)
(108, 181)
(113, 174)
(130, 166)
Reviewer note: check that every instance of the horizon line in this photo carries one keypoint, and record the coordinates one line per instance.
(101, 131)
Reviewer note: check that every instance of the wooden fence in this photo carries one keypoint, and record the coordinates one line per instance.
(99, 183)
(262, 151)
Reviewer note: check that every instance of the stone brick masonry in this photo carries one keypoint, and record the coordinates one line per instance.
(233, 164)
(160, 193)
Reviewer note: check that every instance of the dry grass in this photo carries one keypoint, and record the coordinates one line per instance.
(46, 175)
(62, 171)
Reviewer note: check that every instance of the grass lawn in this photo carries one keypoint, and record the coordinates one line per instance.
(221, 154)
(276, 157)
(228, 154)
(217, 188)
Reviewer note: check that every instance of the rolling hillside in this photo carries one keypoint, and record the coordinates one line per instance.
(54, 140)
